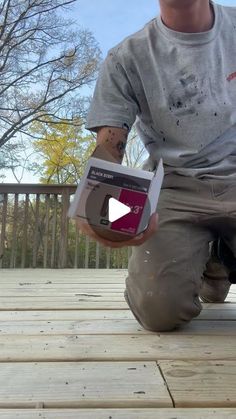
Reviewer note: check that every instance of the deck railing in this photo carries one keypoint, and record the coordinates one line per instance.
(36, 232)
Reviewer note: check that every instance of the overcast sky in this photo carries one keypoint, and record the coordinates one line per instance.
(111, 21)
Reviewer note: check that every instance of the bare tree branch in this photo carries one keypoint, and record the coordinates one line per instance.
(44, 62)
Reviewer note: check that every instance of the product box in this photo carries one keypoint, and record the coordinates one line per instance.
(136, 188)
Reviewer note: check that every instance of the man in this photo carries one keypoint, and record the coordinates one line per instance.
(177, 78)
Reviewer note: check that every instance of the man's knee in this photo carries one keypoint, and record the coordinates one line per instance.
(159, 312)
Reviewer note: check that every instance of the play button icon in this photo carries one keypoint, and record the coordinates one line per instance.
(116, 210)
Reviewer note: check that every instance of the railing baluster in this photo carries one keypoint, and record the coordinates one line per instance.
(54, 230)
(64, 229)
(45, 250)
(86, 259)
(36, 232)
(3, 229)
(97, 255)
(76, 247)
(108, 257)
(14, 237)
(25, 229)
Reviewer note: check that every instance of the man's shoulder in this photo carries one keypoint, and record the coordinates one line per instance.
(136, 41)
(230, 11)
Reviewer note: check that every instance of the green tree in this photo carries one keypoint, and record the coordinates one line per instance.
(64, 151)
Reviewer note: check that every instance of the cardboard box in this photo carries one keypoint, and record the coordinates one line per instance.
(136, 188)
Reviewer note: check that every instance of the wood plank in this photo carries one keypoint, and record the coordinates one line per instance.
(59, 304)
(106, 326)
(101, 293)
(63, 274)
(51, 303)
(74, 274)
(50, 315)
(15, 348)
(71, 288)
(113, 326)
(40, 282)
(73, 298)
(201, 383)
(221, 306)
(67, 327)
(57, 293)
(205, 327)
(156, 413)
(207, 314)
(70, 384)
(221, 314)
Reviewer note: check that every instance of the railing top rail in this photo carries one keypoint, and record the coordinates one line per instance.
(35, 188)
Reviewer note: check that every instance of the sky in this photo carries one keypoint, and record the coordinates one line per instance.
(111, 21)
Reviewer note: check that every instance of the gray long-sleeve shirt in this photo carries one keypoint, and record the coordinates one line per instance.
(180, 89)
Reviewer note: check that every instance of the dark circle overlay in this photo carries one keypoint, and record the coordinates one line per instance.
(97, 208)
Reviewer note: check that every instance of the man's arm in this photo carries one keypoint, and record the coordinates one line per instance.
(111, 144)
(113, 140)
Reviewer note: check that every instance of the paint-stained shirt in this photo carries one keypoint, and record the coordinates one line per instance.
(180, 91)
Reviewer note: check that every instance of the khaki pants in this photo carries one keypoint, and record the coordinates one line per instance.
(166, 272)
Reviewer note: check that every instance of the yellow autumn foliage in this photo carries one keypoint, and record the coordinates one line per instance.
(64, 150)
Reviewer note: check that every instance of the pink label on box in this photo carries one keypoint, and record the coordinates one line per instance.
(130, 222)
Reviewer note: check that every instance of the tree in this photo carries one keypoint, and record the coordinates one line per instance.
(15, 157)
(135, 152)
(44, 61)
(64, 150)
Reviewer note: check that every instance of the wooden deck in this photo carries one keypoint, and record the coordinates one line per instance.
(70, 348)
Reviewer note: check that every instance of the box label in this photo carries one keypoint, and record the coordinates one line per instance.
(130, 222)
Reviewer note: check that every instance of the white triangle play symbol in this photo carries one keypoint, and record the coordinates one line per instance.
(116, 210)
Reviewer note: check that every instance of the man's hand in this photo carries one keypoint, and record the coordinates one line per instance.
(112, 142)
(85, 228)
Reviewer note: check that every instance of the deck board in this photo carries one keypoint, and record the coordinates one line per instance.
(74, 326)
(156, 413)
(153, 347)
(111, 327)
(77, 384)
(201, 383)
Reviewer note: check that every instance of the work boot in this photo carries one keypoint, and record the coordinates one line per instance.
(219, 273)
